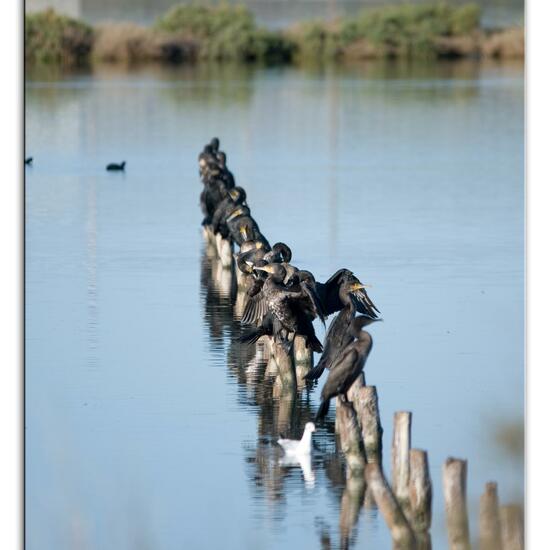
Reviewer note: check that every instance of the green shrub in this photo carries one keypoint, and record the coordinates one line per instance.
(224, 32)
(410, 29)
(54, 38)
(466, 19)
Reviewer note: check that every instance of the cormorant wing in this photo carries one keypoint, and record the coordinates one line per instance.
(341, 371)
(255, 310)
(331, 287)
(361, 299)
(311, 293)
(257, 285)
(364, 304)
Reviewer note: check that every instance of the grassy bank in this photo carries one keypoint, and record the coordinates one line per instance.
(187, 34)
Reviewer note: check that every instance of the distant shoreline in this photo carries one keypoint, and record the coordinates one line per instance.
(227, 33)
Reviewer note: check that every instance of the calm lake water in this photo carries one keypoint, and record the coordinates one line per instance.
(147, 425)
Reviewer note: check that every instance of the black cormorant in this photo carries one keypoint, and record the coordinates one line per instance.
(338, 335)
(28, 161)
(348, 366)
(293, 308)
(234, 197)
(225, 173)
(329, 294)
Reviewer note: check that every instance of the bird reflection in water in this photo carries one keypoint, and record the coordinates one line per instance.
(279, 411)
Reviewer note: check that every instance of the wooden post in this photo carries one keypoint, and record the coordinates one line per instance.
(511, 525)
(401, 532)
(365, 401)
(303, 360)
(356, 386)
(285, 366)
(489, 521)
(400, 456)
(302, 354)
(420, 491)
(358, 383)
(454, 491)
(350, 439)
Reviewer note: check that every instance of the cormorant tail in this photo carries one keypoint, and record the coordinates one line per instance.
(314, 344)
(323, 410)
(315, 372)
(253, 335)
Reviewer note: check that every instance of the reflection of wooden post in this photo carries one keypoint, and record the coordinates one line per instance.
(401, 532)
(454, 490)
(365, 401)
(400, 455)
(350, 439)
(420, 491)
(350, 506)
(489, 521)
(511, 525)
(287, 400)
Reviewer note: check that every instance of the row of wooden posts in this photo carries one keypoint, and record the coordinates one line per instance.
(406, 503)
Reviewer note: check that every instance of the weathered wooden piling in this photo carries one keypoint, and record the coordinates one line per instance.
(350, 439)
(401, 445)
(454, 491)
(489, 520)
(303, 360)
(302, 354)
(511, 525)
(365, 401)
(420, 491)
(285, 367)
(225, 252)
(401, 532)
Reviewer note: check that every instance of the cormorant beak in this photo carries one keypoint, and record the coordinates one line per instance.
(266, 268)
(244, 233)
(236, 213)
(359, 286)
(258, 245)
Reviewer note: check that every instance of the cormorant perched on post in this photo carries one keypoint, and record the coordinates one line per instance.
(215, 144)
(212, 195)
(293, 308)
(347, 367)
(234, 198)
(329, 294)
(338, 335)
(252, 254)
(225, 174)
(280, 253)
(243, 227)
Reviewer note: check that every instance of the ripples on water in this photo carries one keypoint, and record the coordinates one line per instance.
(147, 423)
